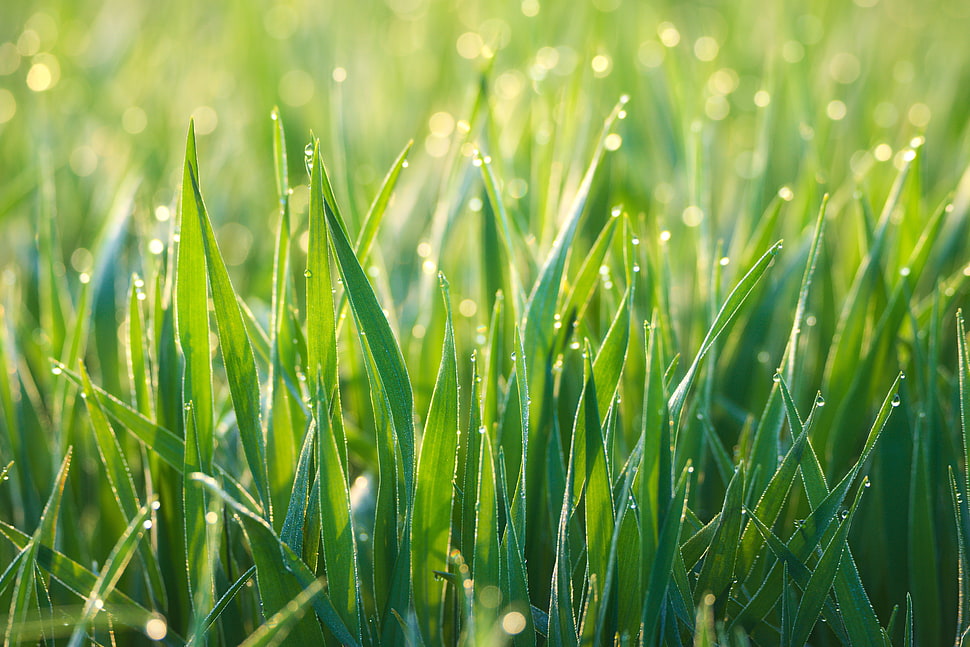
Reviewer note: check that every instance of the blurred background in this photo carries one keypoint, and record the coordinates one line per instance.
(733, 107)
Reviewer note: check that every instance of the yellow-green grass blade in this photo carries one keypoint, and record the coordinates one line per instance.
(729, 310)
(224, 601)
(337, 530)
(192, 307)
(292, 532)
(24, 587)
(434, 490)
(509, 244)
(469, 457)
(138, 370)
(519, 444)
(79, 580)
(119, 479)
(111, 572)
(277, 628)
(280, 574)
(236, 349)
(485, 567)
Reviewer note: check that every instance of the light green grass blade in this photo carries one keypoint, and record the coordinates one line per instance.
(192, 307)
(224, 601)
(111, 572)
(76, 578)
(137, 357)
(375, 214)
(485, 567)
(120, 479)
(732, 305)
(292, 532)
(611, 358)
(198, 561)
(509, 244)
(469, 466)
(585, 283)
(433, 495)
(520, 444)
(280, 574)
(236, 349)
(277, 628)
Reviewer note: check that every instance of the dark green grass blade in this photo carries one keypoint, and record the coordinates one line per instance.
(192, 306)
(822, 579)
(391, 374)
(668, 544)
(718, 569)
(225, 600)
(434, 490)
(292, 532)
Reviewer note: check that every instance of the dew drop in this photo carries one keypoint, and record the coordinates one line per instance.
(635, 241)
(867, 483)
(147, 524)
(776, 378)
(156, 505)
(513, 356)
(844, 513)
(307, 273)
(188, 406)
(56, 370)
(99, 604)
(819, 401)
(902, 375)
(308, 150)
(896, 400)
(690, 470)
(574, 345)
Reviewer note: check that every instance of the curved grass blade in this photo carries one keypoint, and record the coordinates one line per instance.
(718, 569)
(119, 478)
(732, 305)
(280, 574)
(113, 568)
(224, 601)
(292, 532)
(434, 490)
(277, 628)
(23, 591)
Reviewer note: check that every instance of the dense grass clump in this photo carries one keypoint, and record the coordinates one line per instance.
(688, 370)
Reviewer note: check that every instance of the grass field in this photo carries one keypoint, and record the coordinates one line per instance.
(453, 323)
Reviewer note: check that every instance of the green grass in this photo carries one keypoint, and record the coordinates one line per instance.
(599, 324)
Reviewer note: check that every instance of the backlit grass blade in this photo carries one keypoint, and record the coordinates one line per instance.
(468, 471)
(732, 305)
(23, 592)
(659, 575)
(226, 598)
(111, 572)
(509, 244)
(654, 475)
(138, 370)
(485, 567)
(277, 628)
(76, 578)
(375, 214)
(119, 477)
(520, 445)
(822, 579)
(192, 307)
(292, 532)
(235, 346)
(433, 495)
(611, 358)
(336, 525)
(280, 574)
(194, 510)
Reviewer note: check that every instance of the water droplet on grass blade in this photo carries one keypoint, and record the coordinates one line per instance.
(307, 273)
(776, 378)
(819, 401)
(896, 401)
(57, 370)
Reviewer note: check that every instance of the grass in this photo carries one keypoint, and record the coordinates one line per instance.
(652, 334)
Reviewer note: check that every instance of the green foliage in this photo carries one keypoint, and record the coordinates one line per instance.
(267, 418)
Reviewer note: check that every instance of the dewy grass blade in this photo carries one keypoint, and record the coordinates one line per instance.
(280, 574)
(336, 525)
(391, 374)
(434, 490)
(236, 349)
(658, 577)
(718, 570)
(23, 592)
(111, 572)
(192, 307)
(739, 295)
(277, 628)
(119, 477)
